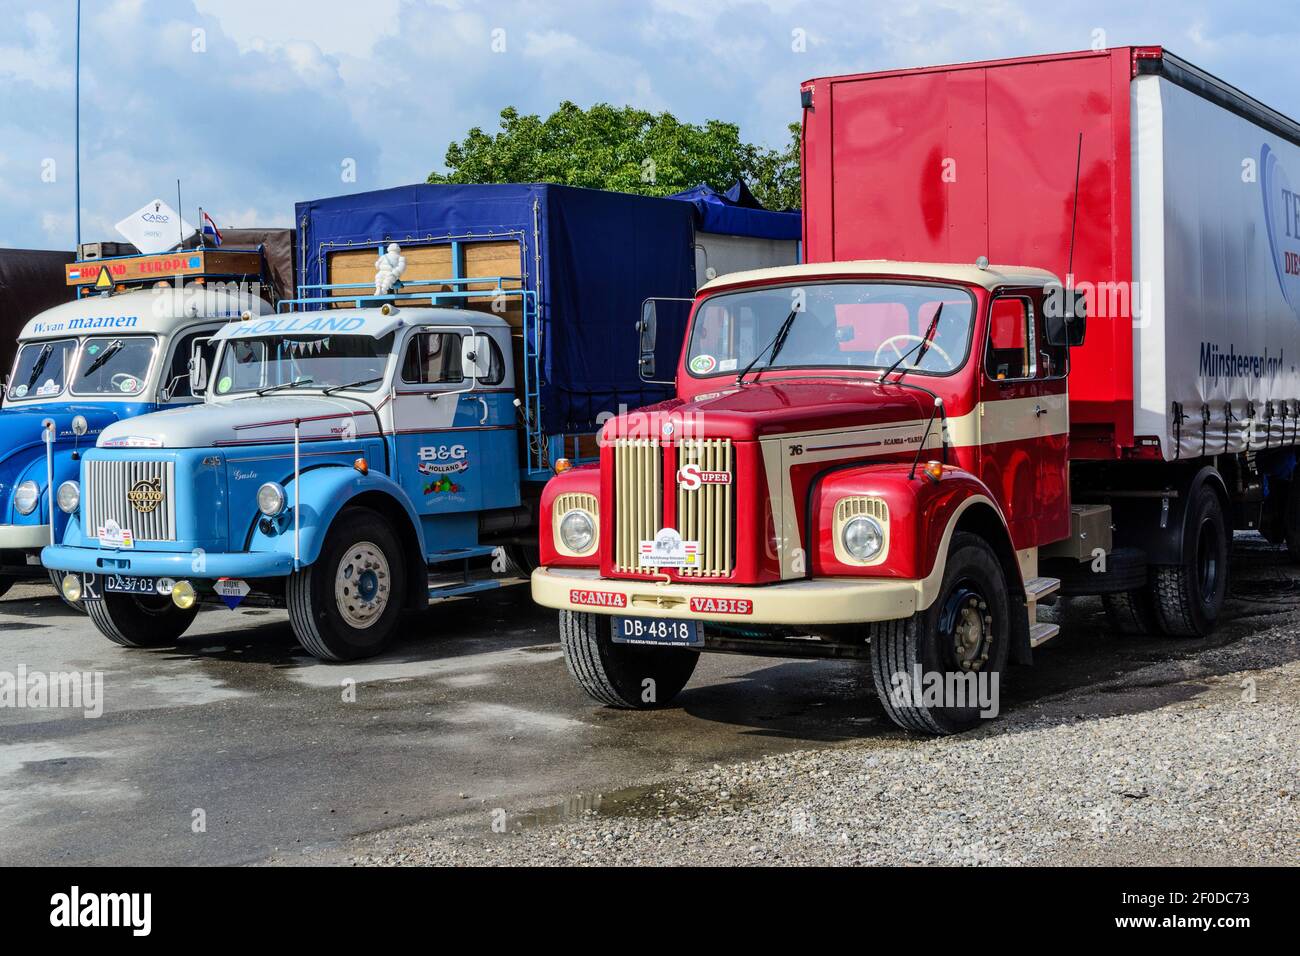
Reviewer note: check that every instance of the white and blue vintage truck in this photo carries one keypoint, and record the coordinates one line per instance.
(99, 359)
(371, 445)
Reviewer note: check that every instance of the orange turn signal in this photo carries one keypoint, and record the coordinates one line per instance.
(562, 465)
(934, 470)
(362, 466)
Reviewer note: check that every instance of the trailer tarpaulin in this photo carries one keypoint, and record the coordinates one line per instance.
(591, 257)
(31, 280)
(737, 213)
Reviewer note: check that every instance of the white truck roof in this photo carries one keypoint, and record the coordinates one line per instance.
(143, 311)
(990, 277)
(372, 322)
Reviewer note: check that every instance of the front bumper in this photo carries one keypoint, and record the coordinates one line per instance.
(826, 601)
(24, 537)
(182, 565)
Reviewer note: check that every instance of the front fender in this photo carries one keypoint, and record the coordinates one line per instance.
(585, 479)
(922, 513)
(322, 493)
(29, 465)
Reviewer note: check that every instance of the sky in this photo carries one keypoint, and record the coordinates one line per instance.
(257, 104)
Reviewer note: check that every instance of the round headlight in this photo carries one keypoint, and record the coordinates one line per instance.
(863, 537)
(577, 531)
(270, 499)
(69, 496)
(26, 497)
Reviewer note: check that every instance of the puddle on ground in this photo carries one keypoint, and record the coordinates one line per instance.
(645, 802)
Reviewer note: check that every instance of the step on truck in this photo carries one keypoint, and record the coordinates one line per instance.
(99, 359)
(876, 455)
(372, 445)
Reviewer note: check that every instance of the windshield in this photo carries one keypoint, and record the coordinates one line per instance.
(41, 369)
(114, 365)
(867, 325)
(312, 361)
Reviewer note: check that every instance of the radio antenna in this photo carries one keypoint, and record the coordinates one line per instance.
(1074, 215)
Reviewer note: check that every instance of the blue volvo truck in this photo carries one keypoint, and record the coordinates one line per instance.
(370, 448)
(110, 354)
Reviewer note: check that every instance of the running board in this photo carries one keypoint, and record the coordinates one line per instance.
(442, 587)
(1042, 633)
(1038, 588)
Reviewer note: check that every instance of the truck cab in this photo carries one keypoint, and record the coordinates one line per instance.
(80, 368)
(345, 463)
(862, 459)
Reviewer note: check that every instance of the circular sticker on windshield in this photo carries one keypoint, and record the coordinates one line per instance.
(224, 384)
(20, 391)
(129, 385)
(703, 364)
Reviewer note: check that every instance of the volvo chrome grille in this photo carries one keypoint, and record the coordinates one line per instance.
(704, 500)
(705, 503)
(138, 495)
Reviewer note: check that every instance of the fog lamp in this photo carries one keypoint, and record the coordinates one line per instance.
(71, 587)
(183, 595)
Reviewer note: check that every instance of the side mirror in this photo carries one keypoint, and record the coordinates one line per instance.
(475, 357)
(1064, 316)
(648, 329)
(198, 371)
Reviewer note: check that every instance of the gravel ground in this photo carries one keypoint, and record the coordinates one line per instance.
(1170, 764)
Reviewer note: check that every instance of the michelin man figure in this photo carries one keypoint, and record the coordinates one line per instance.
(388, 269)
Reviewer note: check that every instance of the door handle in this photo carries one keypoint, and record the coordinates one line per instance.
(484, 417)
(1039, 410)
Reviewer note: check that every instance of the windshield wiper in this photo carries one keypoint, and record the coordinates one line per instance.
(778, 341)
(296, 383)
(112, 349)
(338, 388)
(923, 345)
(46, 351)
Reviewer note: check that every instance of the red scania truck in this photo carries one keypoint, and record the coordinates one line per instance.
(896, 451)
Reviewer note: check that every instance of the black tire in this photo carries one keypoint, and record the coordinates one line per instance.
(6, 583)
(56, 578)
(1131, 612)
(326, 623)
(974, 591)
(133, 621)
(520, 560)
(1189, 596)
(614, 674)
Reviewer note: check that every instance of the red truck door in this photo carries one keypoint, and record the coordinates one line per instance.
(1024, 423)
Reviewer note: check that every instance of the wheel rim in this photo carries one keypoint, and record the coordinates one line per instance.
(967, 626)
(362, 585)
(1207, 560)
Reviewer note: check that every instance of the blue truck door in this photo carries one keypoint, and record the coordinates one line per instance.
(455, 447)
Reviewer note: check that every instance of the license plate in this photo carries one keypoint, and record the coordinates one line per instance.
(650, 630)
(126, 585)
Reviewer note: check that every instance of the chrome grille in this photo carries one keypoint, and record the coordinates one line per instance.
(705, 514)
(106, 490)
(638, 499)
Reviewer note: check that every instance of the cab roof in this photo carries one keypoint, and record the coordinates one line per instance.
(142, 311)
(990, 277)
(369, 321)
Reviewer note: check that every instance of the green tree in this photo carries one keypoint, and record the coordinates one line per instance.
(623, 149)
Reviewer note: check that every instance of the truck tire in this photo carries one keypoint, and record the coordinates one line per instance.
(56, 578)
(967, 629)
(1131, 612)
(1189, 596)
(133, 621)
(347, 604)
(615, 674)
(5, 584)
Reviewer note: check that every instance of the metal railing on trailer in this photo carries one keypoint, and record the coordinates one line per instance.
(541, 449)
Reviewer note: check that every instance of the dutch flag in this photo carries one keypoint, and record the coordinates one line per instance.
(210, 230)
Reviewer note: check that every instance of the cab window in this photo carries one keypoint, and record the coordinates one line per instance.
(433, 358)
(114, 365)
(41, 369)
(1012, 354)
(177, 378)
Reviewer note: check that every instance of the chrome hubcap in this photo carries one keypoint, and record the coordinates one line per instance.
(362, 585)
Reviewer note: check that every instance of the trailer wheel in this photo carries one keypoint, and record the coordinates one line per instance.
(56, 578)
(1189, 596)
(1131, 612)
(346, 605)
(965, 634)
(133, 621)
(631, 676)
(6, 583)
